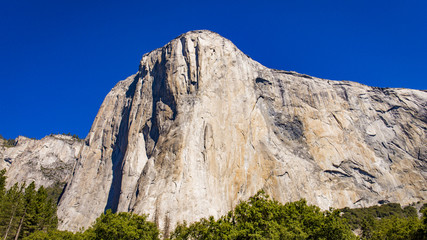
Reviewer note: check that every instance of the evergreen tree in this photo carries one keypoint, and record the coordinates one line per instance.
(27, 200)
(2, 183)
(46, 210)
(396, 228)
(122, 226)
(2, 192)
(55, 235)
(12, 208)
(263, 218)
(421, 233)
(27, 213)
(23, 210)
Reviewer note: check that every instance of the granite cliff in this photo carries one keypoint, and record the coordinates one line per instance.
(201, 126)
(47, 161)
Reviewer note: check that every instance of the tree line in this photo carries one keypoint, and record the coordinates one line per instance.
(27, 213)
(263, 218)
(25, 210)
(7, 142)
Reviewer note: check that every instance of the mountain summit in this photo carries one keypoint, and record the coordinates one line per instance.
(201, 126)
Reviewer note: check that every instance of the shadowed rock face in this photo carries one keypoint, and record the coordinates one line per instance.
(201, 126)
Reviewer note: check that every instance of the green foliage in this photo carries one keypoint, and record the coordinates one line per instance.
(358, 217)
(397, 228)
(388, 221)
(122, 226)
(75, 136)
(24, 210)
(2, 183)
(55, 190)
(107, 226)
(8, 142)
(11, 209)
(262, 218)
(422, 231)
(27, 213)
(55, 235)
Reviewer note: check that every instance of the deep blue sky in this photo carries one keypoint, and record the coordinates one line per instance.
(58, 59)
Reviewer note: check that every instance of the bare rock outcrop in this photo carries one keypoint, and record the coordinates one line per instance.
(46, 162)
(201, 126)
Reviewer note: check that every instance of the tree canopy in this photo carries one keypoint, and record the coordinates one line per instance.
(264, 218)
(24, 210)
(30, 213)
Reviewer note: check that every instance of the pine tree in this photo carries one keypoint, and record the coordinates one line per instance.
(23, 210)
(27, 208)
(122, 226)
(11, 210)
(2, 183)
(40, 212)
(47, 210)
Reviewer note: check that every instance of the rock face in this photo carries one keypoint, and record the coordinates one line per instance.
(201, 126)
(46, 162)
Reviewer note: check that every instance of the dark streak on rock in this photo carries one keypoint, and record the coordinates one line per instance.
(393, 108)
(335, 173)
(361, 199)
(363, 172)
(262, 81)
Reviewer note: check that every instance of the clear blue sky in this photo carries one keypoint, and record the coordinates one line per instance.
(58, 59)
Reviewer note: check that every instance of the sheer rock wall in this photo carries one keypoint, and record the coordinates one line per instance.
(201, 126)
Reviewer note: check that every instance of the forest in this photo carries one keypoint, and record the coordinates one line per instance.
(30, 213)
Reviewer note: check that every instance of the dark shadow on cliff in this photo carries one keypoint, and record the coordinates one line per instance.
(119, 151)
(161, 93)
